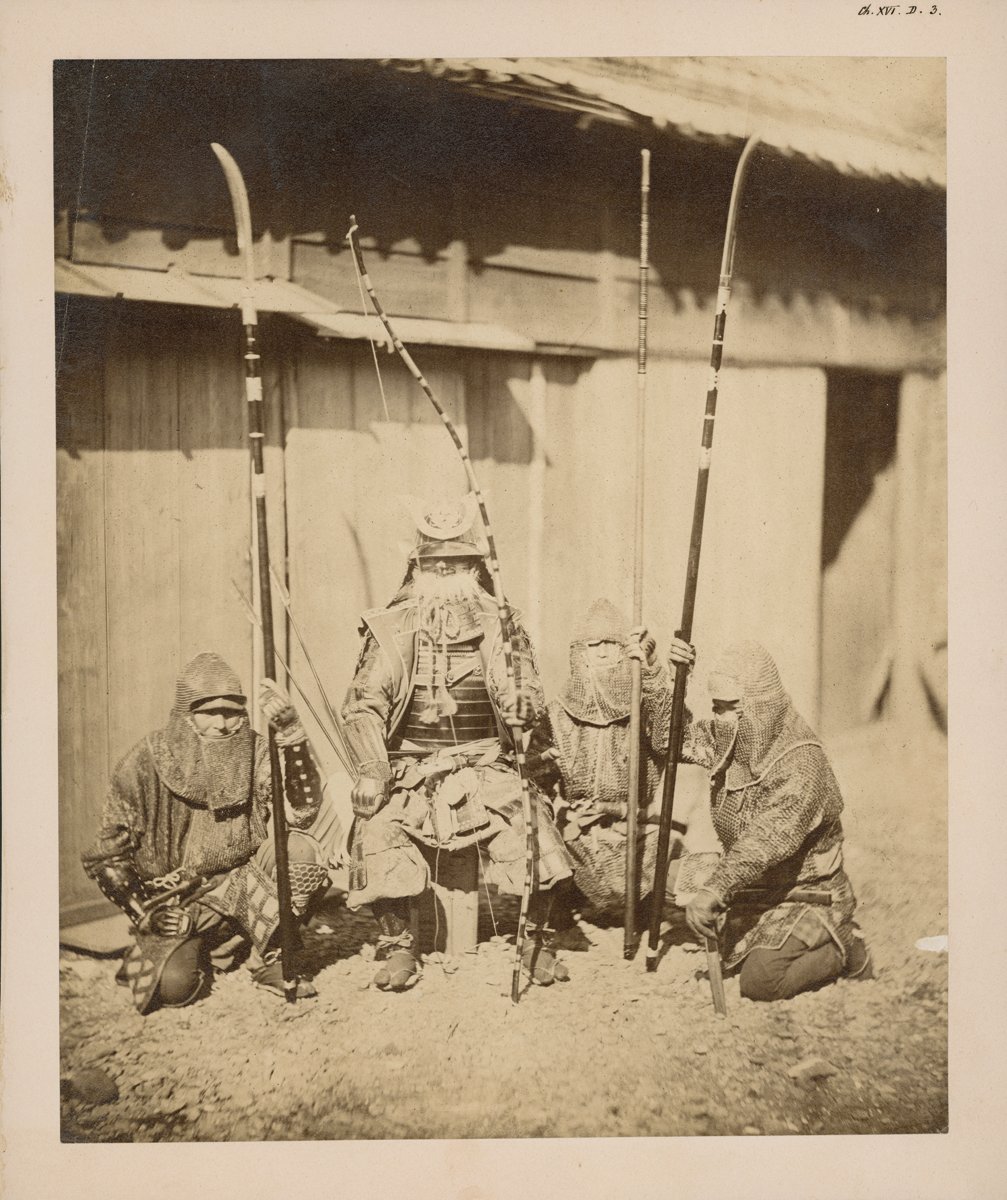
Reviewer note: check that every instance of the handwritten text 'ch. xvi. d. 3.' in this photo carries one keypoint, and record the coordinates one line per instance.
(898, 10)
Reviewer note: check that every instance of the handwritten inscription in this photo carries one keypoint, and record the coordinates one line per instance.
(898, 10)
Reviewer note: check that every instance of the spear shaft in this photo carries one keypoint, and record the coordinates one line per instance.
(253, 394)
(677, 724)
(629, 941)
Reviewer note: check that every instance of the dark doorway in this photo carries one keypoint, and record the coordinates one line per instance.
(858, 548)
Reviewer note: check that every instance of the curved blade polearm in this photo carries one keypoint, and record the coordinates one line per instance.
(695, 545)
(503, 616)
(629, 941)
(253, 394)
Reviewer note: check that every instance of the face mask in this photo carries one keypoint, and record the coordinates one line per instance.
(725, 730)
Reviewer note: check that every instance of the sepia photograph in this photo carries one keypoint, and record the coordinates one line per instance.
(502, 597)
(489, 495)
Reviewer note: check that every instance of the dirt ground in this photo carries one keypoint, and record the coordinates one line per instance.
(615, 1051)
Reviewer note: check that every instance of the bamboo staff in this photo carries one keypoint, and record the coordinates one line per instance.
(253, 394)
(629, 940)
(692, 574)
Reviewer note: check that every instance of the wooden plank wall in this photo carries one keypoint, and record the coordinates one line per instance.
(920, 600)
(154, 524)
(80, 547)
(155, 521)
(759, 570)
(347, 464)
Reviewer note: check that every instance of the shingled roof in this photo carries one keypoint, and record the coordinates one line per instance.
(880, 118)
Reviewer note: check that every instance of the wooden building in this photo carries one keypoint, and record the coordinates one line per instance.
(497, 203)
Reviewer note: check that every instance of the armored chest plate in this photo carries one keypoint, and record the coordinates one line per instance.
(459, 674)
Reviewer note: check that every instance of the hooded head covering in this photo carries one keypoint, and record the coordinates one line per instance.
(592, 694)
(205, 679)
(768, 726)
(214, 773)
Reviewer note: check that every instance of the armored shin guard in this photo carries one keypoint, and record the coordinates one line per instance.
(305, 880)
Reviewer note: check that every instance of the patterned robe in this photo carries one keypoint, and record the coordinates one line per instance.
(593, 762)
(160, 832)
(776, 808)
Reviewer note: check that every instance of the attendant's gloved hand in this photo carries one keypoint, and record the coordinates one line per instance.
(705, 915)
(368, 795)
(167, 920)
(519, 710)
(280, 713)
(680, 651)
(642, 645)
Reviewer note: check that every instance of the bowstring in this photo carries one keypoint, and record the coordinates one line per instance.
(370, 341)
(486, 889)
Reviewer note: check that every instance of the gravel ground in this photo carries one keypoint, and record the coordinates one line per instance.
(615, 1051)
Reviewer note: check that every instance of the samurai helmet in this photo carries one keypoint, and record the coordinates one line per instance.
(445, 529)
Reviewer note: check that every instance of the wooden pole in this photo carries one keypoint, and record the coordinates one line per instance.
(253, 394)
(695, 545)
(629, 940)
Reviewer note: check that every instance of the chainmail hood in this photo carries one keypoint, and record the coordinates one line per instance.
(768, 725)
(214, 773)
(206, 677)
(598, 695)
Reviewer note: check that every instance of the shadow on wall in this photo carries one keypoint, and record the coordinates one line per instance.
(156, 377)
(860, 439)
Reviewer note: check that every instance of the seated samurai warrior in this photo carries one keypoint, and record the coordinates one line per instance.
(589, 725)
(776, 808)
(429, 719)
(185, 845)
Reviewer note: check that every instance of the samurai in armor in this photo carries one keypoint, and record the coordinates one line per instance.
(428, 719)
(776, 808)
(185, 846)
(589, 724)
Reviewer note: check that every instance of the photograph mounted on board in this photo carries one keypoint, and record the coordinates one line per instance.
(502, 575)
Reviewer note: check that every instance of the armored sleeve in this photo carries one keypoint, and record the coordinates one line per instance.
(776, 832)
(526, 677)
(366, 710)
(302, 784)
(542, 755)
(122, 819)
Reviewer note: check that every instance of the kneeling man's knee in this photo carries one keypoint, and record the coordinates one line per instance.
(183, 976)
(760, 976)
